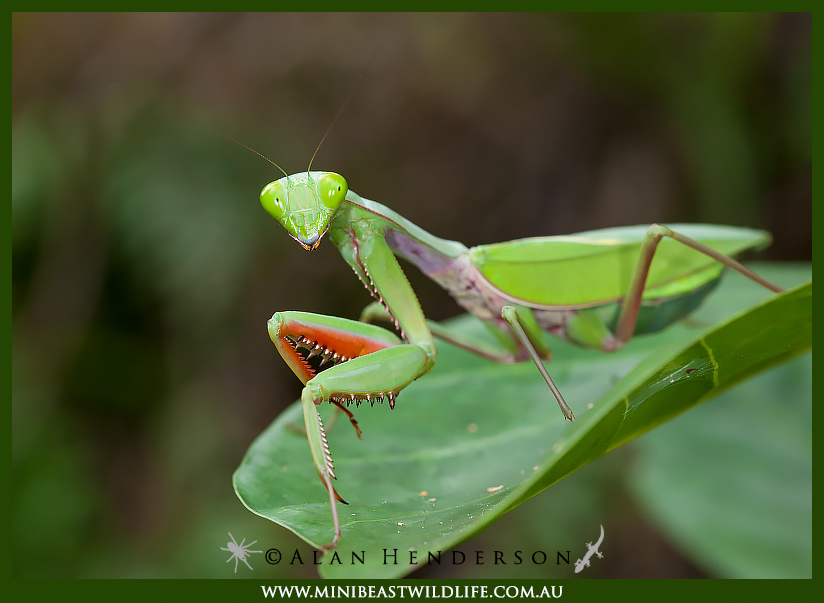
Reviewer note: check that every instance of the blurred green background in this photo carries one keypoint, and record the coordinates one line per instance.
(144, 269)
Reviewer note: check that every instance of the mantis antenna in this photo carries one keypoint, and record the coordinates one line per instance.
(343, 106)
(205, 125)
(330, 128)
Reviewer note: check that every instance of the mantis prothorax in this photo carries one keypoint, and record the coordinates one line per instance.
(643, 279)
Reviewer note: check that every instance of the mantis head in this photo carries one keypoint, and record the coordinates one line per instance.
(304, 204)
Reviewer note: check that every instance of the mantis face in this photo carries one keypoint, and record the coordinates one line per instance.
(304, 204)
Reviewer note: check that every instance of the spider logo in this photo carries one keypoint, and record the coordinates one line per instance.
(239, 551)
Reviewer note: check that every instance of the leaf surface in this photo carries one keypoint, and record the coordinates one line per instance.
(474, 439)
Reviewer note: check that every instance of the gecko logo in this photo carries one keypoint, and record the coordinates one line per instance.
(592, 550)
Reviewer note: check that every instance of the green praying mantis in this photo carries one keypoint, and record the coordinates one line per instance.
(596, 289)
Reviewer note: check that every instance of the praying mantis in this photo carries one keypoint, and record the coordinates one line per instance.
(596, 289)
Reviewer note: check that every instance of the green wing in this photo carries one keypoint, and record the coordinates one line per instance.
(596, 267)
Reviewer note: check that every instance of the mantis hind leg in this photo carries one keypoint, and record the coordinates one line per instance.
(632, 300)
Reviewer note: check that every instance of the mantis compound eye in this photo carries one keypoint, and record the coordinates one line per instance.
(332, 190)
(273, 199)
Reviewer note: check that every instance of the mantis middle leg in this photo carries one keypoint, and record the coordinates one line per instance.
(523, 341)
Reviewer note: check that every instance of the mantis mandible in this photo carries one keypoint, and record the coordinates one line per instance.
(645, 278)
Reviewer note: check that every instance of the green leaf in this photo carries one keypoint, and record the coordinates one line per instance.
(474, 439)
(731, 482)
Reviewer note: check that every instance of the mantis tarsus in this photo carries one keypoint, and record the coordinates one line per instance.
(642, 280)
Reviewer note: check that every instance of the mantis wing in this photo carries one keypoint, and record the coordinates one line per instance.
(596, 267)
